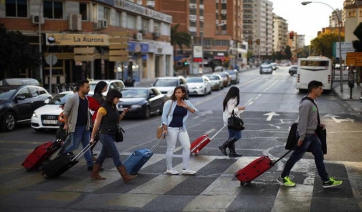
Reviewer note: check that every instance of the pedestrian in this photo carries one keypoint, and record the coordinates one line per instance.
(230, 104)
(307, 138)
(174, 117)
(77, 120)
(107, 124)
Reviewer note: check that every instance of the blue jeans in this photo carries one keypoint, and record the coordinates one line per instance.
(234, 133)
(108, 146)
(81, 135)
(312, 141)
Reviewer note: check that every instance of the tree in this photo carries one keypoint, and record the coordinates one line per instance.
(323, 44)
(179, 38)
(288, 52)
(15, 53)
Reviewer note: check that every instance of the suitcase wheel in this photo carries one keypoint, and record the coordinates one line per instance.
(244, 183)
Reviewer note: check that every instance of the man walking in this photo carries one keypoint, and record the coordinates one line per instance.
(77, 120)
(307, 138)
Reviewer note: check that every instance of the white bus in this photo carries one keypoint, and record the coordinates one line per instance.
(314, 68)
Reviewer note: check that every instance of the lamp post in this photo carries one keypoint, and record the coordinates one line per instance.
(339, 38)
(40, 51)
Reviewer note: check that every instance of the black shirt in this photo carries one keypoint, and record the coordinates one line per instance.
(82, 112)
(178, 115)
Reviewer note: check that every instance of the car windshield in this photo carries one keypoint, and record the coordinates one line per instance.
(59, 99)
(194, 79)
(222, 74)
(134, 93)
(6, 94)
(265, 67)
(231, 72)
(213, 77)
(166, 83)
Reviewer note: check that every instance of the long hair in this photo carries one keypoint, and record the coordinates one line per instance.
(232, 93)
(99, 87)
(111, 95)
(183, 89)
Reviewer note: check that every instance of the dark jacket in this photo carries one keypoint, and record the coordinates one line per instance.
(109, 123)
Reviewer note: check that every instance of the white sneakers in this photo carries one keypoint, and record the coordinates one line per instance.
(184, 171)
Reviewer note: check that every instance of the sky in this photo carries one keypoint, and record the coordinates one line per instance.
(306, 20)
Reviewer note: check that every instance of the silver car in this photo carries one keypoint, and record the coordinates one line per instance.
(234, 76)
(266, 69)
(216, 81)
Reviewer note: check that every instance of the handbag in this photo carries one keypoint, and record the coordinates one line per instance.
(160, 128)
(235, 122)
(118, 137)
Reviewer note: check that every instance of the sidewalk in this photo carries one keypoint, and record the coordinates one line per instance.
(355, 102)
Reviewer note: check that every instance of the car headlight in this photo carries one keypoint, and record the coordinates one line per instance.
(135, 106)
(35, 115)
(201, 86)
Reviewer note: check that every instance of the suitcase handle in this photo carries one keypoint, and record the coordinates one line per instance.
(273, 163)
(217, 132)
(81, 153)
(156, 144)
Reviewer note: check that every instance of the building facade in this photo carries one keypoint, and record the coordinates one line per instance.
(280, 33)
(66, 25)
(353, 17)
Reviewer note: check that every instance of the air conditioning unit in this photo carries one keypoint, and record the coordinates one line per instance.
(75, 22)
(223, 12)
(193, 6)
(103, 23)
(144, 31)
(156, 34)
(96, 25)
(193, 20)
(35, 19)
(139, 36)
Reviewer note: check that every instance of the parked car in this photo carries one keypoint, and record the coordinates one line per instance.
(46, 117)
(225, 78)
(266, 69)
(18, 102)
(234, 76)
(112, 84)
(19, 81)
(216, 81)
(199, 85)
(293, 70)
(141, 101)
(166, 85)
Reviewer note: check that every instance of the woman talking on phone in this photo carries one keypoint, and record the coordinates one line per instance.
(174, 116)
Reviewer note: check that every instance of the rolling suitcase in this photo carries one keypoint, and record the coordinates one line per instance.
(256, 168)
(201, 142)
(62, 163)
(138, 158)
(40, 154)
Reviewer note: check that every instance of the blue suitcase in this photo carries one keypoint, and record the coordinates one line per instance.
(138, 158)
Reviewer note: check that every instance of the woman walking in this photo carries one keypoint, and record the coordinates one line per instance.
(107, 123)
(174, 117)
(230, 104)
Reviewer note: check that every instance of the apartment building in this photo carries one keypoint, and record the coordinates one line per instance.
(65, 25)
(353, 17)
(333, 18)
(280, 33)
(258, 24)
(215, 24)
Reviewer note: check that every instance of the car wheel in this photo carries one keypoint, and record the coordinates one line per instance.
(291, 73)
(147, 113)
(8, 122)
(204, 94)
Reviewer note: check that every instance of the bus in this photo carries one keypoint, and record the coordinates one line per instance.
(314, 68)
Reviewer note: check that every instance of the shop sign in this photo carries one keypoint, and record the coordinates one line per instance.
(54, 39)
(141, 10)
(197, 52)
(137, 47)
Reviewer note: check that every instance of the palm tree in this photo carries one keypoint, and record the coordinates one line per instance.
(179, 38)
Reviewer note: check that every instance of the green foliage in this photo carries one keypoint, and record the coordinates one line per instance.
(323, 44)
(15, 52)
(179, 38)
(358, 31)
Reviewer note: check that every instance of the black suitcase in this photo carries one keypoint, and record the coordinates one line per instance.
(62, 163)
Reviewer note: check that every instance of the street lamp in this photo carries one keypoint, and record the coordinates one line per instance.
(339, 38)
(40, 52)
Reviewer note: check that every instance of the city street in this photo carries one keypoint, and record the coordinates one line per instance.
(271, 107)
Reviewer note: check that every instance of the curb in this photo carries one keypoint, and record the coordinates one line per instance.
(341, 98)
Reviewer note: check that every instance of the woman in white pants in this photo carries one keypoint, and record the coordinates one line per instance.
(174, 116)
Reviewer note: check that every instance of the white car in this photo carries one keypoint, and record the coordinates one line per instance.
(166, 85)
(199, 85)
(216, 81)
(112, 84)
(46, 117)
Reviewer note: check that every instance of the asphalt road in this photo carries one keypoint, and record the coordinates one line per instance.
(271, 107)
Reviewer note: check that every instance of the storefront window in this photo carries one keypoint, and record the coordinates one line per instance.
(53, 9)
(16, 8)
(83, 10)
(131, 21)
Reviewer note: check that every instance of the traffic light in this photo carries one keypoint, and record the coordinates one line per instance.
(250, 42)
(258, 42)
(186, 63)
(291, 35)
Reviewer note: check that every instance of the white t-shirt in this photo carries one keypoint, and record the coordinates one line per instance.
(231, 105)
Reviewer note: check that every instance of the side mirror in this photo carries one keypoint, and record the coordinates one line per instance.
(47, 101)
(20, 97)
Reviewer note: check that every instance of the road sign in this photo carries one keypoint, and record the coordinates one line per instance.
(51, 59)
(354, 59)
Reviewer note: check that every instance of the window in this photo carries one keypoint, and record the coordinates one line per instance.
(156, 26)
(118, 19)
(41, 91)
(24, 92)
(107, 13)
(352, 13)
(33, 91)
(53, 9)
(131, 21)
(16, 8)
(83, 10)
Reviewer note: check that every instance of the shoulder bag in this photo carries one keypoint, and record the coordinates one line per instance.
(160, 128)
(235, 122)
(118, 137)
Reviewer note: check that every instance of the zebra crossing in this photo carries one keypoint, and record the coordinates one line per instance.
(213, 188)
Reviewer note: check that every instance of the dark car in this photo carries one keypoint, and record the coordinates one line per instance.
(141, 102)
(293, 70)
(18, 102)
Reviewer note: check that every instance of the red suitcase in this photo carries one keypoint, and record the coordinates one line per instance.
(40, 154)
(201, 142)
(256, 168)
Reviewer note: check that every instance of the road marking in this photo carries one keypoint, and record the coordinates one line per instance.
(270, 115)
(333, 117)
